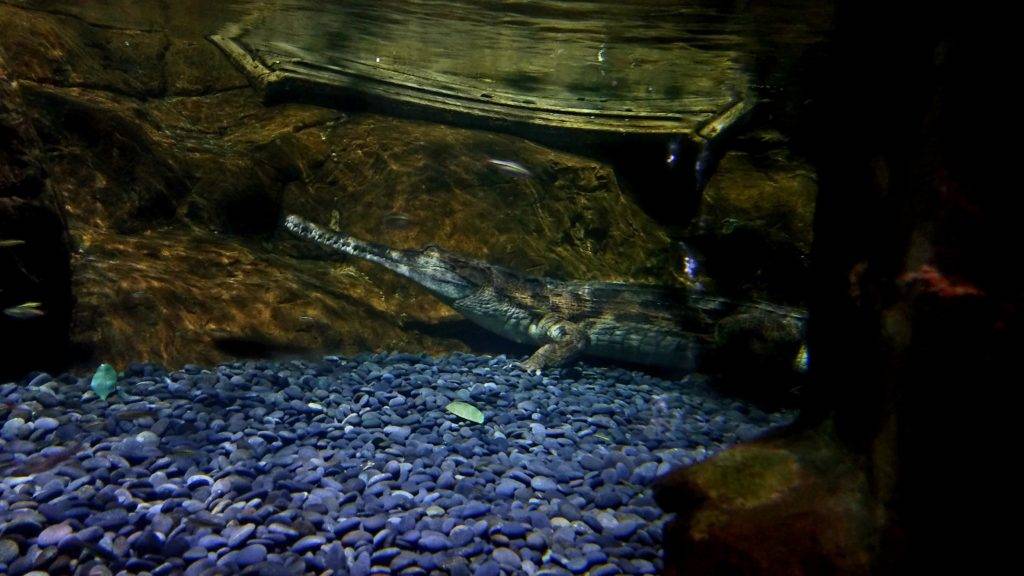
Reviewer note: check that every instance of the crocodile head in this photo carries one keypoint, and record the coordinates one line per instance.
(448, 276)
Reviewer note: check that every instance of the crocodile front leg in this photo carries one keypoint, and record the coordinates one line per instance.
(568, 341)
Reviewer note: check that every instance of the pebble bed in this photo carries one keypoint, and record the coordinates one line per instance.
(350, 466)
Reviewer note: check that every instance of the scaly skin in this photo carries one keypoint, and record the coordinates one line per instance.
(642, 324)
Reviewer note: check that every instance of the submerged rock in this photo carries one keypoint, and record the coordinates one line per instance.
(753, 230)
(795, 505)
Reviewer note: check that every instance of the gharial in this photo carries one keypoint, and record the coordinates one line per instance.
(624, 322)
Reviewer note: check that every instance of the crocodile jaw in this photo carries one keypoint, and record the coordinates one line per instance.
(432, 268)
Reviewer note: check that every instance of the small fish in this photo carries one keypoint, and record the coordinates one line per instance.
(37, 464)
(10, 242)
(95, 426)
(25, 311)
(185, 453)
(397, 220)
(514, 168)
(136, 414)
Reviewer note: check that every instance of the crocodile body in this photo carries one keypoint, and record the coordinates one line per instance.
(623, 322)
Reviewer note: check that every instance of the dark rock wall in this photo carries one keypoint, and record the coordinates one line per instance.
(900, 460)
(38, 268)
(916, 309)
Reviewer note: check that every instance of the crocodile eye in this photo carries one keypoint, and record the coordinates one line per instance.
(432, 249)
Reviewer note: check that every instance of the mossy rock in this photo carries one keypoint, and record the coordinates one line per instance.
(796, 504)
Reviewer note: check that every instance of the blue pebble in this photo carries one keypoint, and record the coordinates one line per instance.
(356, 538)
(489, 568)
(201, 566)
(625, 529)
(472, 509)
(595, 557)
(512, 529)
(39, 380)
(539, 520)
(605, 570)
(531, 555)
(645, 473)
(576, 564)
(393, 501)
(432, 541)
(506, 557)
(461, 535)
(239, 534)
(213, 542)
(374, 523)
(480, 528)
(90, 535)
(519, 476)
(447, 524)
(397, 433)
(593, 522)
(108, 519)
(543, 484)
(308, 543)
(361, 567)
(345, 525)
(409, 537)
(507, 487)
(384, 555)
(569, 511)
(377, 489)
(641, 566)
(405, 523)
(474, 548)
(536, 540)
(424, 564)
(590, 462)
(565, 535)
(622, 471)
(446, 481)
(403, 560)
(607, 498)
(385, 536)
